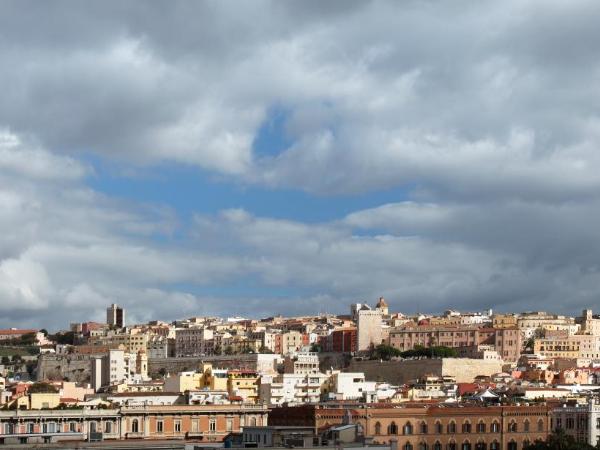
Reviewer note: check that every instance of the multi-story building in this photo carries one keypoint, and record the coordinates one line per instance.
(203, 422)
(589, 323)
(578, 346)
(115, 316)
(436, 427)
(301, 363)
(505, 341)
(531, 323)
(243, 384)
(580, 421)
(194, 342)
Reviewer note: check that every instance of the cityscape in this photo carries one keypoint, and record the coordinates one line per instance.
(375, 377)
(315, 224)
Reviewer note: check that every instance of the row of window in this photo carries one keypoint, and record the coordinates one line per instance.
(466, 445)
(451, 428)
(53, 427)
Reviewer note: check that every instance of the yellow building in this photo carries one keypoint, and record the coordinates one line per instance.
(41, 400)
(244, 384)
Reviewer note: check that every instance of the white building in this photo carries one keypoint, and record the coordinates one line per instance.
(349, 386)
(369, 328)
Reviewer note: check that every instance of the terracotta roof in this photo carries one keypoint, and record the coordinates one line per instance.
(12, 332)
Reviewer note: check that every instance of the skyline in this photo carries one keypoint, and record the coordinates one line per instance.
(217, 158)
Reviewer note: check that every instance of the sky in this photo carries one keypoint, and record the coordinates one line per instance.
(227, 158)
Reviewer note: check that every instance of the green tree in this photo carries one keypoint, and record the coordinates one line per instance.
(385, 352)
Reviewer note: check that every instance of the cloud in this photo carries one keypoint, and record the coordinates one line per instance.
(482, 116)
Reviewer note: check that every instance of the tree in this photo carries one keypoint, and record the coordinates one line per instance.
(16, 358)
(559, 440)
(385, 352)
(5, 360)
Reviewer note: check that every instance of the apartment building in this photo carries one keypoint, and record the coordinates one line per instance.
(193, 342)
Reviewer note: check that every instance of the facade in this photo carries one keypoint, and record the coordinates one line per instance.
(193, 342)
(208, 423)
(431, 427)
(580, 421)
(369, 328)
(115, 316)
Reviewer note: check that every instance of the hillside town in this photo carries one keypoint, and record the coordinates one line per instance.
(459, 380)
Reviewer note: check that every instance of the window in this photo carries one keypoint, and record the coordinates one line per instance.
(212, 424)
(30, 427)
(392, 428)
(540, 426)
(377, 428)
(481, 427)
(466, 427)
(439, 428)
(408, 446)
(466, 445)
(512, 427)
(159, 426)
(93, 427)
(194, 425)
(229, 424)
(451, 446)
(452, 427)
(9, 428)
(72, 427)
(423, 427)
(437, 445)
(108, 427)
(526, 443)
(495, 427)
(480, 446)
(135, 426)
(423, 446)
(495, 446)
(177, 426)
(512, 445)
(408, 429)
(526, 425)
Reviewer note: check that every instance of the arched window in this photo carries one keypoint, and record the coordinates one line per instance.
(526, 443)
(481, 427)
(466, 427)
(108, 427)
(439, 428)
(451, 427)
(424, 428)
(408, 429)
(495, 445)
(408, 446)
(512, 445)
(466, 446)
(422, 445)
(480, 446)
(526, 425)
(451, 445)
(495, 427)
(392, 428)
(377, 428)
(437, 445)
(512, 426)
(540, 426)
(135, 426)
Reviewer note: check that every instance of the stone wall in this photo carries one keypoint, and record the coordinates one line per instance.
(403, 371)
(57, 367)
(261, 362)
